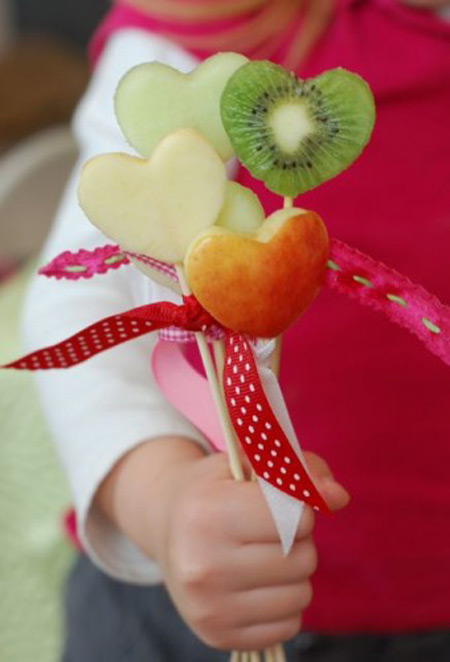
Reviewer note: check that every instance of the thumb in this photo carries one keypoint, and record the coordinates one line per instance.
(334, 494)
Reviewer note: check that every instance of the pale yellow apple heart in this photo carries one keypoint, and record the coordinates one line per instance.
(156, 275)
(153, 100)
(156, 207)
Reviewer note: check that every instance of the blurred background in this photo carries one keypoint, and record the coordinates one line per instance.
(43, 72)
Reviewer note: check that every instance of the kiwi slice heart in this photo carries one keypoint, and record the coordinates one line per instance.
(294, 134)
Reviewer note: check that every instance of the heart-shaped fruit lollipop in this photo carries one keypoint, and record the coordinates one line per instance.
(259, 285)
(295, 134)
(154, 100)
(156, 207)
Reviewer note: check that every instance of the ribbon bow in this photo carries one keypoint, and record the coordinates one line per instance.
(271, 454)
(275, 460)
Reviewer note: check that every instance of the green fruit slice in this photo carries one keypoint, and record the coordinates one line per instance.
(242, 211)
(154, 100)
(294, 134)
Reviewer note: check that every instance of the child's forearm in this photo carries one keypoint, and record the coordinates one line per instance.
(136, 494)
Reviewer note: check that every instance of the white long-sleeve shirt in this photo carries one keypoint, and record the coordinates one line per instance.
(100, 410)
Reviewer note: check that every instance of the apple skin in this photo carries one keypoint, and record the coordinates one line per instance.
(260, 287)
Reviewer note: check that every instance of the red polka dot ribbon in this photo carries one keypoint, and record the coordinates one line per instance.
(262, 438)
(269, 451)
(115, 330)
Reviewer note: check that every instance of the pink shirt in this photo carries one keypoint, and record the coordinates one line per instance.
(362, 393)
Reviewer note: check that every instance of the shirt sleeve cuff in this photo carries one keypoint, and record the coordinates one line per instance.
(106, 546)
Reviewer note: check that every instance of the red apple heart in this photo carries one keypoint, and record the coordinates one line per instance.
(260, 284)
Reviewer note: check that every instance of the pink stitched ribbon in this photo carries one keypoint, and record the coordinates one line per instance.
(375, 285)
(350, 272)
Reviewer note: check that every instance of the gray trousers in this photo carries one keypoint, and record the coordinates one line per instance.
(108, 621)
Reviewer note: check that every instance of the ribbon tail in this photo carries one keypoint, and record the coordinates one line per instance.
(99, 337)
(273, 457)
(373, 284)
(286, 511)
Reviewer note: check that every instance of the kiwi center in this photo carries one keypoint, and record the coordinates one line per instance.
(291, 124)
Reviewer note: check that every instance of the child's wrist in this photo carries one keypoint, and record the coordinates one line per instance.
(136, 495)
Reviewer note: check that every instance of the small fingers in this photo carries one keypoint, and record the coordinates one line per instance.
(334, 494)
(264, 565)
(252, 522)
(262, 635)
(269, 605)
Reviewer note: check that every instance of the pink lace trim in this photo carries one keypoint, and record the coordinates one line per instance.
(85, 264)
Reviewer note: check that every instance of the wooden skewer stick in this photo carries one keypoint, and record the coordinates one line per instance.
(276, 653)
(288, 203)
(279, 654)
(276, 356)
(227, 429)
(219, 356)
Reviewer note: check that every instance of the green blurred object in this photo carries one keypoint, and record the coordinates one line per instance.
(34, 556)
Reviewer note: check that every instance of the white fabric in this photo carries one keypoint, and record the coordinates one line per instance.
(286, 511)
(100, 410)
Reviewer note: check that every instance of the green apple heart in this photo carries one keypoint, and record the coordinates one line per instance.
(156, 207)
(154, 100)
(294, 134)
(242, 211)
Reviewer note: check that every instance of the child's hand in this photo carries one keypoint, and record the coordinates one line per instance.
(218, 548)
(223, 562)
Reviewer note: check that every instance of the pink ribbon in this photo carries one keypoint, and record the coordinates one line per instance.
(377, 286)
(187, 390)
